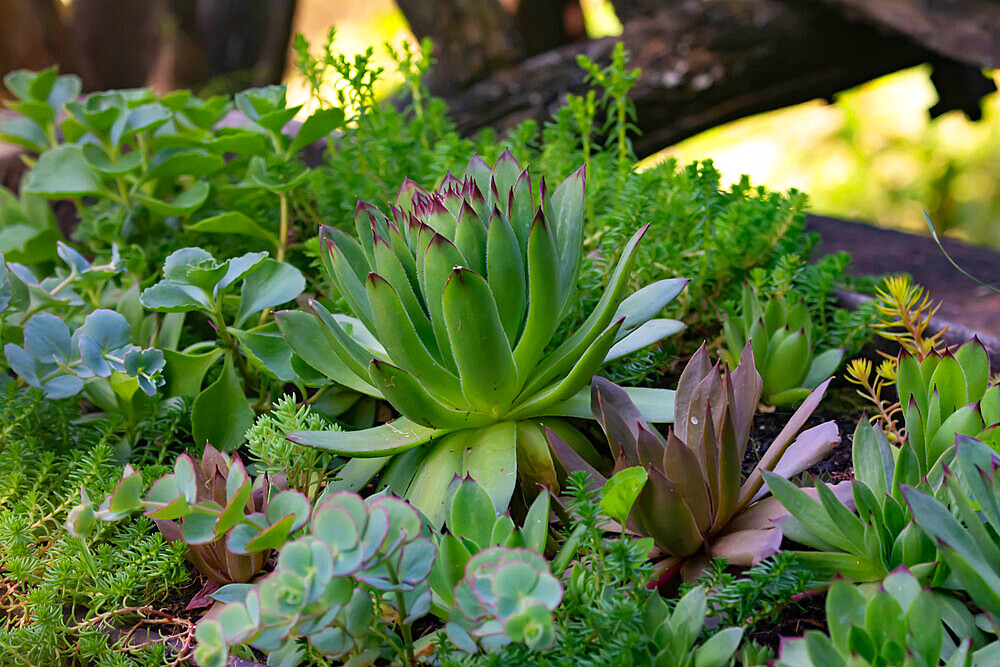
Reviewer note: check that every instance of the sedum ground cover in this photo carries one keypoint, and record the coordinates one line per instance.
(455, 400)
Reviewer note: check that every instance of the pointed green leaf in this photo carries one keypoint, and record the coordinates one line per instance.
(221, 414)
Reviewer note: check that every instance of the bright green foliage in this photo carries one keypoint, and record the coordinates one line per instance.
(676, 632)
(943, 396)
(230, 523)
(966, 533)
(40, 97)
(194, 281)
(472, 527)
(899, 625)
(758, 595)
(713, 234)
(456, 300)
(861, 530)
(328, 585)
(694, 501)
(507, 595)
(781, 334)
(608, 615)
(304, 468)
(28, 228)
(46, 456)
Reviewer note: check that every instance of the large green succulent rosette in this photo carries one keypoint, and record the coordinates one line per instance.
(455, 297)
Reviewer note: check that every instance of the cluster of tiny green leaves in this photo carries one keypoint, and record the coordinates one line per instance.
(600, 621)
(756, 596)
(45, 459)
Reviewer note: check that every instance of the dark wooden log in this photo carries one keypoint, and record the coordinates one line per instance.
(248, 36)
(704, 62)
(116, 41)
(472, 39)
(548, 24)
(967, 31)
(876, 251)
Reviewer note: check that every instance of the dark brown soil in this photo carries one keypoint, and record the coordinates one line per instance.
(809, 613)
(835, 468)
(178, 598)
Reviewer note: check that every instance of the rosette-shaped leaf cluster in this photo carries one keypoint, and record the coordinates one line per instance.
(676, 633)
(59, 363)
(456, 296)
(781, 334)
(966, 528)
(230, 523)
(322, 587)
(860, 529)
(943, 396)
(473, 526)
(216, 475)
(900, 624)
(695, 502)
(507, 595)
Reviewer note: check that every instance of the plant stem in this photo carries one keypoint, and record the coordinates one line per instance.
(283, 227)
(408, 656)
(232, 345)
(88, 558)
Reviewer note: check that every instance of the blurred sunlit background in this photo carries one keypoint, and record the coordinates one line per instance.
(872, 155)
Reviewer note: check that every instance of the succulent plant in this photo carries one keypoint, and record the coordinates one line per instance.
(325, 584)
(214, 559)
(862, 534)
(943, 396)
(229, 523)
(676, 633)
(781, 334)
(966, 533)
(900, 624)
(507, 595)
(59, 363)
(473, 526)
(456, 298)
(694, 502)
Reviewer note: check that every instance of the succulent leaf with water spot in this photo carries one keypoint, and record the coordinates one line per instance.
(695, 503)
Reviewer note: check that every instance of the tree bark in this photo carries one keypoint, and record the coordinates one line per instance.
(117, 41)
(704, 62)
(33, 35)
(472, 39)
(966, 31)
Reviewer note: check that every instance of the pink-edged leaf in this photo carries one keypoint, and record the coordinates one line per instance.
(665, 516)
(694, 372)
(201, 599)
(781, 443)
(233, 511)
(274, 536)
(744, 387)
(730, 474)
(618, 416)
(759, 516)
(811, 447)
(747, 547)
(169, 529)
(681, 467)
(708, 398)
(571, 461)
